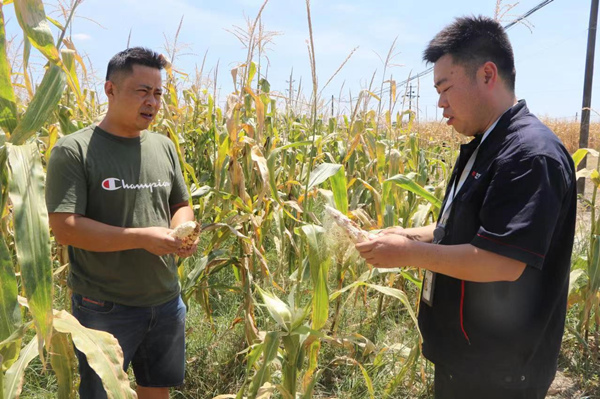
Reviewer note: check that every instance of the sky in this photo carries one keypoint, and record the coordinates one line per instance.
(549, 51)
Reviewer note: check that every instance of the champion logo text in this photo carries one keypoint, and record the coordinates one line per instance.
(114, 183)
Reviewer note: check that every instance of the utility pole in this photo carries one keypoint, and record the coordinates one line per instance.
(584, 132)
(410, 94)
(332, 105)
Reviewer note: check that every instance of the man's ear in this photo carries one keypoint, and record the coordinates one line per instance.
(109, 89)
(489, 72)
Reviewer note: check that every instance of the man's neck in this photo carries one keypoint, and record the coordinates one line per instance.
(503, 105)
(117, 129)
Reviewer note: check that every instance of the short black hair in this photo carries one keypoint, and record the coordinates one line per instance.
(126, 59)
(473, 41)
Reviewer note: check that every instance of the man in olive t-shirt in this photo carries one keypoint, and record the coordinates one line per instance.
(113, 193)
(127, 182)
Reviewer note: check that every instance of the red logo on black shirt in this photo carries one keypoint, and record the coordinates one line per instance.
(111, 184)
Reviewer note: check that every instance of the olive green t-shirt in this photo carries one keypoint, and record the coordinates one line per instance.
(124, 182)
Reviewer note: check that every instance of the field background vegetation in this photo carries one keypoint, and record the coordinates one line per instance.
(280, 305)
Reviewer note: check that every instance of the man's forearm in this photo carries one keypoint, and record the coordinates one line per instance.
(423, 233)
(91, 235)
(183, 213)
(466, 262)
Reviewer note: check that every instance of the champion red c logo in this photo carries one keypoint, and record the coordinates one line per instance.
(111, 184)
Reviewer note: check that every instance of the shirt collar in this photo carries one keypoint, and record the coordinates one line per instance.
(485, 134)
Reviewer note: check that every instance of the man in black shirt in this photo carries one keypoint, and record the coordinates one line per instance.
(497, 262)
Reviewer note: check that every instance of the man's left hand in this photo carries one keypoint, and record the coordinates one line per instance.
(186, 253)
(386, 251)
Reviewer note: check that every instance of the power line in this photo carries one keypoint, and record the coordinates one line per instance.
(528, 13)
(506, 27)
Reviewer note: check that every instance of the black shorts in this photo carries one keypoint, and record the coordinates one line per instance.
(449, 384)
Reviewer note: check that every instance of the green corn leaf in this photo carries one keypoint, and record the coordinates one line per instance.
(32, 234)
(32, 18)
(253, 355)
(577, 279)
(26, 54)
(2, 378)
(3, 179)
(313, 359)
(319, 268)
(309, 391)
(414, 188)
(594, 263)
(42, 105)
(55, 23)
(393, 292)
(339, 292)
(261, 164)
(401, 296)
(279, 310)
(64, 365)
(13, 379)
(9, 351)
(68, 57)
(413, 279)
(251, 73)
(368, 380)
(272, 167)
(397, 380)
(595, 177)
(581, 153)
(321, 173)
(340, 190)
(10, 313)
(265, 87)
(8, 104)
(350, 361)
(11, 346)
(102, 351)
(272, 163)
(419, 218)
(270, 348)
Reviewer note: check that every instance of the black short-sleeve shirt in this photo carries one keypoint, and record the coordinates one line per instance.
(518, 201)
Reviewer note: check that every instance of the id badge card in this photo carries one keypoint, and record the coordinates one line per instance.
(428, 287)
(429, 279)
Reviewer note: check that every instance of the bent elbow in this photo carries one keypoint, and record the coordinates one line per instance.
(515, 272)
(61, 225)
(60, 237)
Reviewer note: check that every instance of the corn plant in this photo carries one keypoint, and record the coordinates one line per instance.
(25, 247)
(585, 274)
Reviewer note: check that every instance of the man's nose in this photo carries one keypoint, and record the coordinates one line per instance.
(152, 101)
(442, 102)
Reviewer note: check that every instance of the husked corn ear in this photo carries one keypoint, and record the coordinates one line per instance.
(188, 233)
(355, 233)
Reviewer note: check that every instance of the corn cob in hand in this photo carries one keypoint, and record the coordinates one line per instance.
(188, 233)
(355, 233)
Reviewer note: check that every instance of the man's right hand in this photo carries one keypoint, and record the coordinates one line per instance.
(423, 233)
(393, 230)
(157, 240)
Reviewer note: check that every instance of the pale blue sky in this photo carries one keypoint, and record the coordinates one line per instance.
(550, 58)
